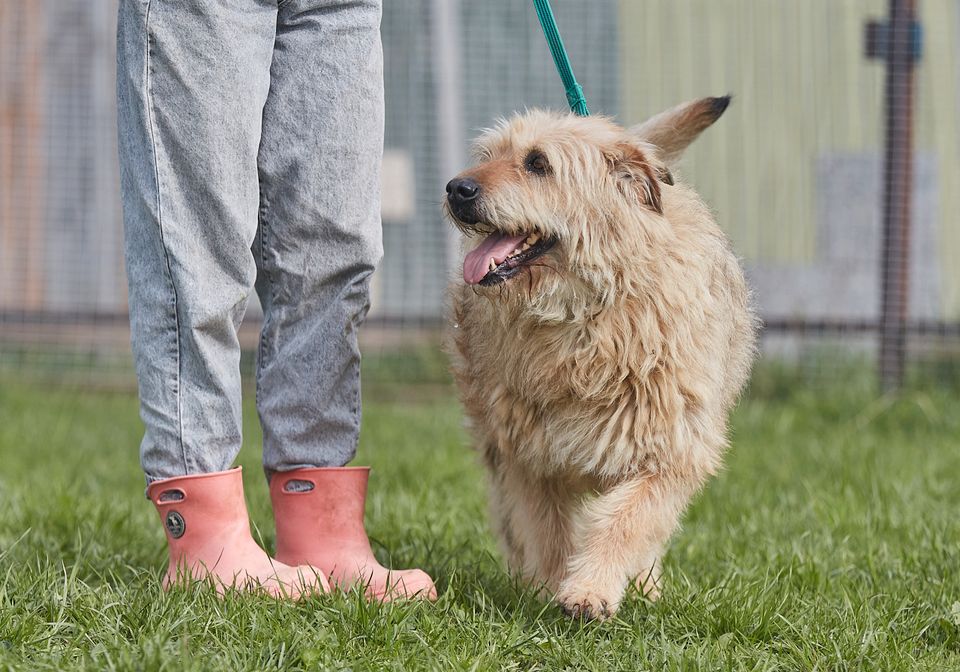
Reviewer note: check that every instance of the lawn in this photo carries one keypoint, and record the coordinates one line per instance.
(830, 542)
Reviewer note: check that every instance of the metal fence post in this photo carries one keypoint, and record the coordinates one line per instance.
(451, 157)
(898, 43)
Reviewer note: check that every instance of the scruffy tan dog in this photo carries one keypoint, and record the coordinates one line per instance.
(602, 334)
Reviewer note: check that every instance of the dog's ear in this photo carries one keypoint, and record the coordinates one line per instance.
(672, 131)
(635, 175)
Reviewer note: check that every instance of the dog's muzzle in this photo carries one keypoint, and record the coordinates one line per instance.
(463, 197)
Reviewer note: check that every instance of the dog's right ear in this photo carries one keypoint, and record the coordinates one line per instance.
(636, 175)
(671, 132)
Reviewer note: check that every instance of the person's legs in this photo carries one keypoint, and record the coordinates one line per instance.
(191, 82)
(319, 239)
(192, 79)
(318, 244)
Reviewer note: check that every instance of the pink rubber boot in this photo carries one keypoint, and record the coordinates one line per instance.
(319, 516)
(208, 533)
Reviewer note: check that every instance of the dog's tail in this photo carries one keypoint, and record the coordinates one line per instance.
(672, 131)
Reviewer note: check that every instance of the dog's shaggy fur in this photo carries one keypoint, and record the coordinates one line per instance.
(597, 376)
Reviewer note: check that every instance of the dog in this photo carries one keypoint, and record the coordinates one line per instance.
(602, 332)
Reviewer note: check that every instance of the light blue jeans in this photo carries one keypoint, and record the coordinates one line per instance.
(251, 138)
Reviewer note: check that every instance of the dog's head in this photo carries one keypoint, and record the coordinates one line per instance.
(561, 199)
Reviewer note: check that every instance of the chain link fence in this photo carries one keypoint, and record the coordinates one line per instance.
(798, 170)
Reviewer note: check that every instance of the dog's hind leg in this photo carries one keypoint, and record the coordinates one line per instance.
(647, 582)
(501, 514)
(619, 535)
(533, 524)
(501, 504)
(542, 520)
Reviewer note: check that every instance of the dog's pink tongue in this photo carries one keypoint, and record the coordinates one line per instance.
(497, 246)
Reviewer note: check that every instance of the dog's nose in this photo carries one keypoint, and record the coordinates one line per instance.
(462, 190)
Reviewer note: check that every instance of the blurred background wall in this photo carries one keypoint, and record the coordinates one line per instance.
(793, 170)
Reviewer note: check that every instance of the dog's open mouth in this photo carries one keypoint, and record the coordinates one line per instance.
(501, 256)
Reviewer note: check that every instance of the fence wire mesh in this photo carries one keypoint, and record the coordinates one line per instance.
(795, 171)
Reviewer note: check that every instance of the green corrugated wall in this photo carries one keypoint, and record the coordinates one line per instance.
(803, 89)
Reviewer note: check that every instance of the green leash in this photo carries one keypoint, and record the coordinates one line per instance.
(578, 103)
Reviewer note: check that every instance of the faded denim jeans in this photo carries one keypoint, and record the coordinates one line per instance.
(251, 138)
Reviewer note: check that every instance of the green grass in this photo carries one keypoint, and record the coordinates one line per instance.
(830, 542)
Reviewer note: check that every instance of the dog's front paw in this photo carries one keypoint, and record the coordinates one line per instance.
(586, 604)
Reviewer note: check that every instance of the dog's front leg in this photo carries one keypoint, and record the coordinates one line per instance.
(619, 535)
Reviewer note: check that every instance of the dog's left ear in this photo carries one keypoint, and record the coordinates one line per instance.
(636, 175)
(671, 132)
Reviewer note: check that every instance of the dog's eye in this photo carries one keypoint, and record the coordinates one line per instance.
(537, 163)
